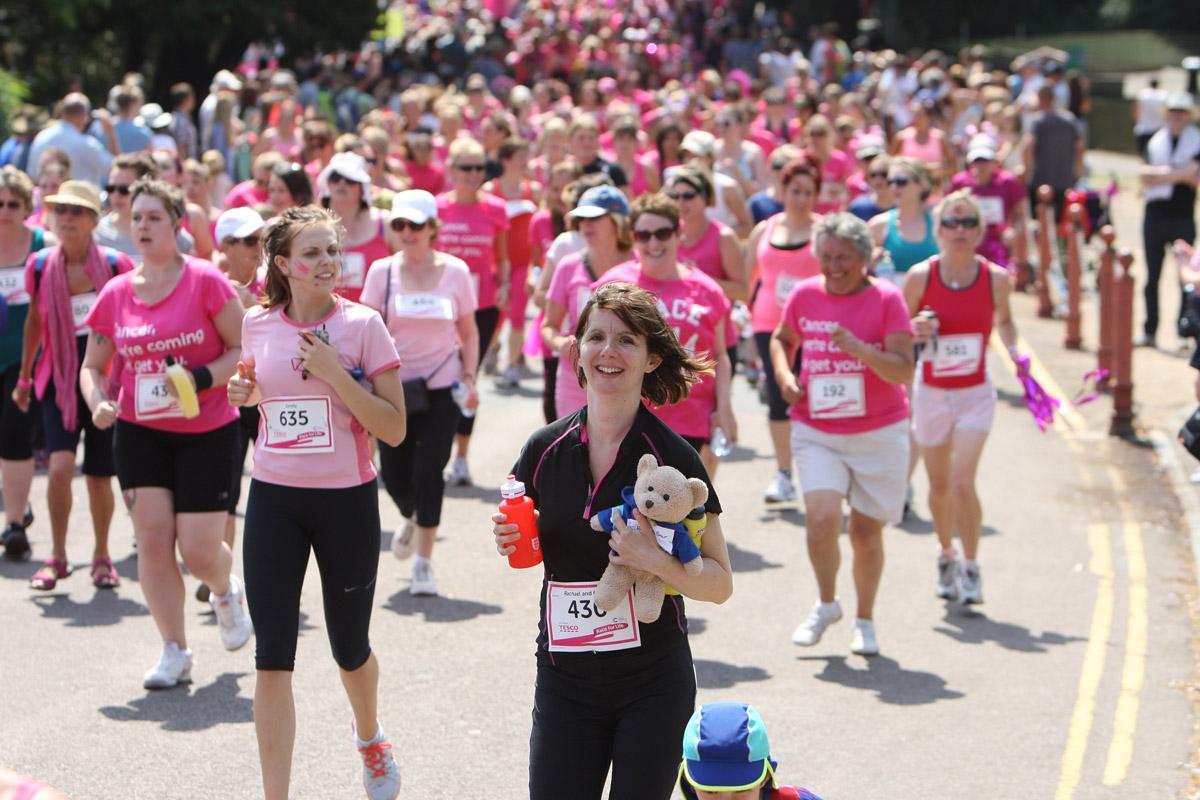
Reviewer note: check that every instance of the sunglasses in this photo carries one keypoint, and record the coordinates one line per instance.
(661, 234)
(72, 210)
(12, 205)
(899, 181)
(372, 161)
(399, 225)
(679, 197)
(123, 189)
(249, 241)
(778, 165)
(337, 177)
(874, 175)
(470, 167)
(966, 223)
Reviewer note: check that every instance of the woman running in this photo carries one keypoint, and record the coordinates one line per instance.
(346, 191)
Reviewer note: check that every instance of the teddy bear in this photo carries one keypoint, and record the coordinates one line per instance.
(666, 497)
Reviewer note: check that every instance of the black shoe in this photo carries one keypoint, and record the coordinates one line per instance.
(202, 592)
(16, 543)
(28, 520)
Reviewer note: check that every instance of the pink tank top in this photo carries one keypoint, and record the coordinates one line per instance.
(929, 153)
(779, 269)
(637, 182)
(358, 259)
(706, 256)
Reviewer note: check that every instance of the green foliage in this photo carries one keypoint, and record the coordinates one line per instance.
(12, 93)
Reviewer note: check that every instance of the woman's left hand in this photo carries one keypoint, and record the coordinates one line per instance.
(726, 421)
(638, 549)
(320, 359)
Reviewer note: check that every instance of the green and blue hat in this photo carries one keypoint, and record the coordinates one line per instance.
(725, 749)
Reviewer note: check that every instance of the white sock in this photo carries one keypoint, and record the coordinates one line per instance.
(378, 735)
(829, 606)
(969, 564)
(420, 561)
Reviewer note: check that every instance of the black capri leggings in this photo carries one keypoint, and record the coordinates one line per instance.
(485, 321)
(581, 725)
(549, 384)
(16, 426)
(777, 407)
(341, 526)
(412, 472)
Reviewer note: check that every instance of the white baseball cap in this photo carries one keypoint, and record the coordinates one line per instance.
(348, 165)
(238, 223)
(701, 143)
(414, 205)
(1179, 101)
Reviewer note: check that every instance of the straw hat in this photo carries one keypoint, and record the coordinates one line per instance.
(75, 193)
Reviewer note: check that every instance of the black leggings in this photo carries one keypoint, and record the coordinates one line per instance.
(485, 321)
(16, 426)
(412, 472)
(777, 407)
(1158, 232)
(342, 527)
(550, 381)
(581, 726)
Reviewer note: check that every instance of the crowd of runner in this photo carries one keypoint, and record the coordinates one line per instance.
(632, 208)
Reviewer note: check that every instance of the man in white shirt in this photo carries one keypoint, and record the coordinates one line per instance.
(90, 160)
(1149, 114)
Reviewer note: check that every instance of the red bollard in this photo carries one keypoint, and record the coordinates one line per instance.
(1104, 281)
(1122, 416)
(1045, 196)
(1073, 339)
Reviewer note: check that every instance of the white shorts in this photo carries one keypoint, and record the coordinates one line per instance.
(938, 412)
(870, 469)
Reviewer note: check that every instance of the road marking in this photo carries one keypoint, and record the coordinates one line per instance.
(1093, 664)
(1066, 417)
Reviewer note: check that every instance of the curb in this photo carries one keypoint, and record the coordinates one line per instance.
(1189, 495)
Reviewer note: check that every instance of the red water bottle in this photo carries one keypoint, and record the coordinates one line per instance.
(518, 510)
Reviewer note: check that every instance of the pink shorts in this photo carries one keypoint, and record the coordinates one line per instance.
(518, 296)
(937, 413)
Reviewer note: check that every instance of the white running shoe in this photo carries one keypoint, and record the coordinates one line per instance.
(173, 668)
(863, 642)
(821, 617)
(381, 773)
(460, 473)
(781, 490)
(232, 619)
(971, 583)
(947, 585)
(423, 583)
(511, 379)
(404, 540)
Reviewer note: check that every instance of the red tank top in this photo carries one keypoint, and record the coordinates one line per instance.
(965, 319)
(520, 211)
(358, 259)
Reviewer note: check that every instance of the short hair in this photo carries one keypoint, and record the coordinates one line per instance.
(347, 143)
(654, 203)
(55, 155)
(74, 104)
(267, 161)
(377, 138)
(961, 197)
(127, 97)
(638, 309)
(581, 122)
(193, 167)
(179, 93)
(848, 228)
(139, 163)
(510, 147)
(18, 183)
(500, 120)
(296, 180)
(626, 126)
(277, 241)
(171, 197)
(465, 147)
(696, 177)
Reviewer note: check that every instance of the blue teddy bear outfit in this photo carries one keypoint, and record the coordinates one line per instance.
(682, 546)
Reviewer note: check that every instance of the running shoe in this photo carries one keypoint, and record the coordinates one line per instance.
(423, 583)
(781, 490)
(381, 773)
(490, 360)
(16, 543)
(232, 619)
(173, 668)
(460, 473)
(908, 500)
(203, 592)
(863, 642)
(511, 379)
(947, 586)
(821, 617)
(404, 540)
(971, 585)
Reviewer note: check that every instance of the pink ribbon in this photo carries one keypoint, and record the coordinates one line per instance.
(1090, 388)
(1039, 402)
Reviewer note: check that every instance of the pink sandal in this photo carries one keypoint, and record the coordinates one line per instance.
(50, 573)
(104, 574)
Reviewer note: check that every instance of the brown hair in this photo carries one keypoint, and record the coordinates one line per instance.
(653, 203)
(18, 183)
(171, 196)
(510, 147)
(139, 163)
(696, 177)
(278, 242)
(638, 309)
(801, 166)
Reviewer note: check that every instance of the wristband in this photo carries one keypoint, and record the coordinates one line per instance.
(24, 383)
(203, 378)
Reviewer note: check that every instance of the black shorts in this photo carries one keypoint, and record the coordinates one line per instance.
(97, 444)
(16, 426)
(195, 467)
(247, 432)
(697, 442)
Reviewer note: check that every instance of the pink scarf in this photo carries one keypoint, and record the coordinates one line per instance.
(60, 325)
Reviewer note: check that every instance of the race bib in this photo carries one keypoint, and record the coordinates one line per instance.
(151, 398)
(515, 208)
(12, 286)
(297, 425)
(354, 270)
(783, 288)
(420, 305)
(993, 210)
(575, 625)
(836, 396)
(81, 306)
(957, 355)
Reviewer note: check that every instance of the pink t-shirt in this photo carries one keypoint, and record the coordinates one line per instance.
(307, 436)
(469, 232)
(571, 288)
(423, 324)
(430, 178)
(834, 172)
(841, 395)
(246, 193)
(179, 325)
(694, 306)
(541, 232)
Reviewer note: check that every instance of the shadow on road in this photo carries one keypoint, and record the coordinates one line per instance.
(740, 453)
(972, 627)
(185, 709)
(748, 560)
(792, 513)
(489, 495)
(438, 609)
(914, 523)
(720, 675)
(891, 683)
(105, 608)
(696, 625)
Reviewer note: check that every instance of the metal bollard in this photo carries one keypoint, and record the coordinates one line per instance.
(1073, 338)
(1122, 294)
(1045, 197)
(1104, 281)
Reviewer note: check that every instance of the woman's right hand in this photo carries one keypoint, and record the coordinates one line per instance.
(505, 533)
(790, 389)
(924, 328)
(21, 397)
(241, 386)
(105, 415)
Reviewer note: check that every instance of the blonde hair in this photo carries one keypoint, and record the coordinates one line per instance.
(962, 197)
(465, 147)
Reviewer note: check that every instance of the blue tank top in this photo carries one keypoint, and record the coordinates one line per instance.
(904, 253)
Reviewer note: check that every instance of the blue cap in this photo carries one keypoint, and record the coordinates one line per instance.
(599, 201)
(725, 749)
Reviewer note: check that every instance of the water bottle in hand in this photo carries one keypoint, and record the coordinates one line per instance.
(461, 393)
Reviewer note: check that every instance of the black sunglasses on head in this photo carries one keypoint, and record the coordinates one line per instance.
(661, 234)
